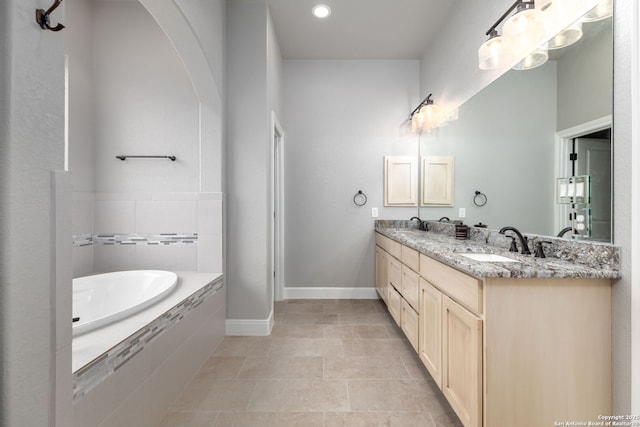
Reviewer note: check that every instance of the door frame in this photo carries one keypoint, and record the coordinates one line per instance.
(561, 161)
(276, 212)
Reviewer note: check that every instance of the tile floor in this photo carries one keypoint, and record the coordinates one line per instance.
(327, 363)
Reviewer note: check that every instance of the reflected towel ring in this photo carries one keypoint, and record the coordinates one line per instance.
(360, 199)
(479, 199)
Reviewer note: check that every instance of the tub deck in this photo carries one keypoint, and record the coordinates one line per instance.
(90, 346)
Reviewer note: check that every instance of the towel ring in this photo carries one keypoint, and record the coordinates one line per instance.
(360, 199)
(479, 199)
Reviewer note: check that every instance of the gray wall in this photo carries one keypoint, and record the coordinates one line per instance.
(625, 31)
(32, 130)
(341, 118)
(503, 145)
(585, 74)
(252, 92)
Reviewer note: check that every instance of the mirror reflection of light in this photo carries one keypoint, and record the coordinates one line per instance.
(603, 10)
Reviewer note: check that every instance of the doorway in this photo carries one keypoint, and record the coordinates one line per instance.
(277, 209)
(587, 150)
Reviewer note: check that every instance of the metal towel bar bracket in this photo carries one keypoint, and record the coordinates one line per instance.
(123, 158)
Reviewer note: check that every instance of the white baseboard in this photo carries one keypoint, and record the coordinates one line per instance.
(250, 327)
(330, 293)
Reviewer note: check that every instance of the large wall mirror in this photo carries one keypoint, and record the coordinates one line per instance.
(514, 139)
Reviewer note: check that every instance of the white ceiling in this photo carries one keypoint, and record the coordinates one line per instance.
(358, 29)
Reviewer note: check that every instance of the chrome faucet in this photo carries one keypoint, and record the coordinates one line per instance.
(422, 225)
(523, 240)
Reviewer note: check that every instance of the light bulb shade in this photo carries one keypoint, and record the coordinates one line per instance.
(533, 60)
(431, 116)
(495, 53)
(525, 28)
(417, 121)
(603, 10)
(566, 37)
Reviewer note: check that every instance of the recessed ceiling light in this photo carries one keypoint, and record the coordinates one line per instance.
(321, 11)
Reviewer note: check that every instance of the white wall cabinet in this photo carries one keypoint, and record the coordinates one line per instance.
(400, 181)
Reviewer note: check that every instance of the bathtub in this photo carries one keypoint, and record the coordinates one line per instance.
(102, 299)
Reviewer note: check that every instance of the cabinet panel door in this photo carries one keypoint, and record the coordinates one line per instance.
(400, 181)
(409, 322)
(394, 304)
(410, 287)
(437, 181)
(430, 342)
(462, 362)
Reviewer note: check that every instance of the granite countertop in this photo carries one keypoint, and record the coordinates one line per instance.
(447, 249)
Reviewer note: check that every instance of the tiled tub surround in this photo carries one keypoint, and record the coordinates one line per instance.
(129, 231)
(566, 258)
(147, 359)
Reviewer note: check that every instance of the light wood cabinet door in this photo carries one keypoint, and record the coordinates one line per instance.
(409, 322)
(462, 362)
(381, 273)
(430, 328)
(400, 181)
(437, 181)
(410, 287)
(394, 304)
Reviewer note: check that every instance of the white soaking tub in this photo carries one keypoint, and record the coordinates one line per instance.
(103, 299)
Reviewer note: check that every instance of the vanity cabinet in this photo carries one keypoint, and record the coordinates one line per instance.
(397, 278)
(451, 333)
(524, 352)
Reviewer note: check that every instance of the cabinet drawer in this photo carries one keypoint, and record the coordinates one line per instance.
(465, 289)
(409, 322)
(411, 258)
(394, 304)
(411, 287)
(394, 248)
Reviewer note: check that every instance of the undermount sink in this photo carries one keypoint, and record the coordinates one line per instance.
(488, 257)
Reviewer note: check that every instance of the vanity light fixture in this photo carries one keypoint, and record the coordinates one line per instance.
(321, 11)
(425, 116)
(499, 50)
(495, 52)
(524, 27)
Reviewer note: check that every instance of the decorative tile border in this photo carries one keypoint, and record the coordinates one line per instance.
(135, 239)
(88, 377)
